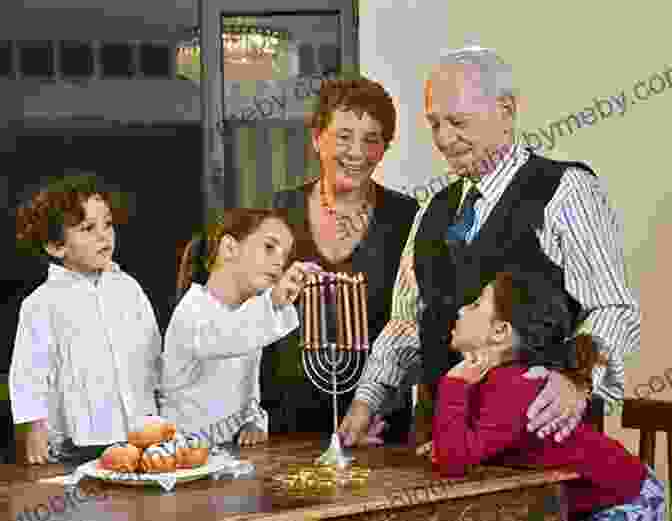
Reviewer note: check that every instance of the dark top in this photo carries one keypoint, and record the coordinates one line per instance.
(451, 274)
(292, 401)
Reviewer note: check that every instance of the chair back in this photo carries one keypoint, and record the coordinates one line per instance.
(650, 417)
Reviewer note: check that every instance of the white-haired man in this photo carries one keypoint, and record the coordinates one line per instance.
(508, 207)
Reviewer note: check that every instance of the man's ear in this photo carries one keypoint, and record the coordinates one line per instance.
(508, 107)
(55, 250)
(428, 95)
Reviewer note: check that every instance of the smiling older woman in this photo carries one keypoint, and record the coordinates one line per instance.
(345, 222)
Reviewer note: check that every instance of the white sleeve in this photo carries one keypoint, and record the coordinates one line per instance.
(152, 337)
(259, 418)
(31, 363)
(254, 325)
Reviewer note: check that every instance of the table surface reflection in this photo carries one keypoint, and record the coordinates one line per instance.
(394, 469)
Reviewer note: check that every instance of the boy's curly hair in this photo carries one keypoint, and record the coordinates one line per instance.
(540, 314)
(44, 218)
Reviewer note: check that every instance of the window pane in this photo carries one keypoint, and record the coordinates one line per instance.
(37, 58)
(76, 59)
(155, 60)
(6, 68)
(117, 59)
(277, 57)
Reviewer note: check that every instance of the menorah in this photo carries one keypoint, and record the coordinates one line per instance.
(335, 340)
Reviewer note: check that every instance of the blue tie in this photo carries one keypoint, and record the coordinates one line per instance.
(466, 218)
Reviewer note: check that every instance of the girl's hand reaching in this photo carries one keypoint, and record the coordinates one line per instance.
(292, 283)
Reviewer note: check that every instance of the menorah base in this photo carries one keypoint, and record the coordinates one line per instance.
(334, 454)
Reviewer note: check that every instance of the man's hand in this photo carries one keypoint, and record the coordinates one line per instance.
(355, 426)
(559, 406)
(427, 450)
(251, 435)
(424, 449)
(37, 446)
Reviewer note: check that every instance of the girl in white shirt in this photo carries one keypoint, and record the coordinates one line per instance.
(87, 348)
(238, 300)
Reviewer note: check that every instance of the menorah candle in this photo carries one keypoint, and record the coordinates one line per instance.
(340, 333)
(365, 317)
(305, 306)
(313, 311)
(311, 307)
(324, 334)
(317, 341)
(348, 312)
(357, 336)
(332, 326)
(307, 314)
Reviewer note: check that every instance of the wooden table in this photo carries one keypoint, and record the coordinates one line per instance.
(401, 486)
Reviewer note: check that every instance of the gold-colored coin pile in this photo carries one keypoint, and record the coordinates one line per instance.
(322, 478)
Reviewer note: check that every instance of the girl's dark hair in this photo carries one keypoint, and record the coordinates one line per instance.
(44, 218)
(201, 252)
(360, 95)
(540, 314)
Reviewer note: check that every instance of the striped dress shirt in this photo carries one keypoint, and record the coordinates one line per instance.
(581, 235)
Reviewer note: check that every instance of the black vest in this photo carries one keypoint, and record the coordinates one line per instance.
(451, 275)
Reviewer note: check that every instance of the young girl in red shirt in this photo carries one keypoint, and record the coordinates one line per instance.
(521, 320)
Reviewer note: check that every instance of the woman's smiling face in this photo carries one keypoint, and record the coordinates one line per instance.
(352, 146)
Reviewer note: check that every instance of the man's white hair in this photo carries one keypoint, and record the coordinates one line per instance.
(496, 77)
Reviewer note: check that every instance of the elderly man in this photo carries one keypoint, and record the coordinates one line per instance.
(507, 207)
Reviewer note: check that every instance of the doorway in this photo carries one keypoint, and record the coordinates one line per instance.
(267, 68)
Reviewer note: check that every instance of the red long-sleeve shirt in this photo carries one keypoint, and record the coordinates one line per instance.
(487, 422)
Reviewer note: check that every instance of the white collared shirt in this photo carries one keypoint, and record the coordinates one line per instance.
(212, 357)
(86, 356)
